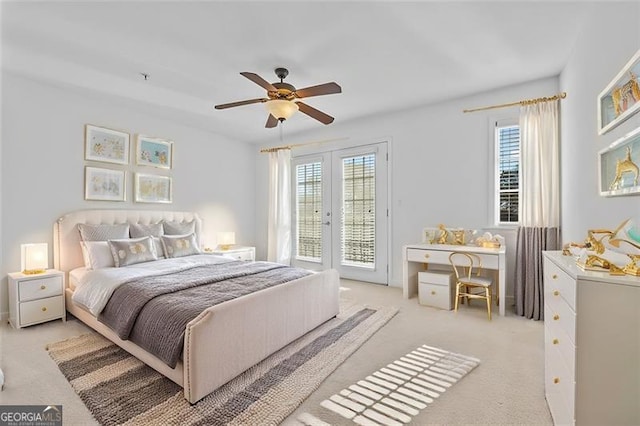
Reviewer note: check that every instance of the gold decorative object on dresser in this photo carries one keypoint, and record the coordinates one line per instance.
(592, 344)
(34, 299)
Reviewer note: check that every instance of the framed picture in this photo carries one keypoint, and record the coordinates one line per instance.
(106, 145)
(618, 164)
(621, 98)
(154, 152)
(153, 188)
(104, 184)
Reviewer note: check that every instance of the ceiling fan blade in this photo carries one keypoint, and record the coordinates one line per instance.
(314, 113)
(259, 81)
(240, 103)
(271, 122)
(321, 89)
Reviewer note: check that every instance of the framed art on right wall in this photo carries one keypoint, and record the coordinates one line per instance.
(621, 98)
(619, 166)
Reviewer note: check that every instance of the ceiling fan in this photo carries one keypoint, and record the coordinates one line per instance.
(282, 101)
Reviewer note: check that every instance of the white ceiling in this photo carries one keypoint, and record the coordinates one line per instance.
(387, 56)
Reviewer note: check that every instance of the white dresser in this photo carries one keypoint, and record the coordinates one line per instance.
(592, 344)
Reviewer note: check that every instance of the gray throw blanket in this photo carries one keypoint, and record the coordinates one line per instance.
(154, 311)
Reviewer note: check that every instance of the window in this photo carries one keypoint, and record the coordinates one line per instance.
(507, 139)
(309, 211)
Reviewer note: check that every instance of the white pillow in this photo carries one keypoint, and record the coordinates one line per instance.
(97, 255)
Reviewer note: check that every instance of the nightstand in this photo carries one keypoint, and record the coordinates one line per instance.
(36, 298)
(237, 252)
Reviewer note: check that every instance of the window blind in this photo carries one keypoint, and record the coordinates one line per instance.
(358, 229)
(509, 173)
(309, 211)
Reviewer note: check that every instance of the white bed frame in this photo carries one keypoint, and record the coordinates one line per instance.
(225, 339)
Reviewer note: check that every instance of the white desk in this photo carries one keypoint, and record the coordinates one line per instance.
(414, 256)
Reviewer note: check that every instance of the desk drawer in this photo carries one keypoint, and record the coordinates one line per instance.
(39, 288)
(435, 295)
(441, 257)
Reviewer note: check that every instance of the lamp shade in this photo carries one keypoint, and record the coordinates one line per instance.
(281, 109)
(34, 258)
(226, 239)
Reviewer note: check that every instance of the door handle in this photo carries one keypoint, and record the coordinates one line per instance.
(327, 223)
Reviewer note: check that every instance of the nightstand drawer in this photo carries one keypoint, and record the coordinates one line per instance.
(41, 310)
(241, 255)
(39, 288)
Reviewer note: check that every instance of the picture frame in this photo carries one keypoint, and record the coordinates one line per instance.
(153, 188)
(621, 98)
(104, 184)
(154, 152)
(105, 145)
(618, 166)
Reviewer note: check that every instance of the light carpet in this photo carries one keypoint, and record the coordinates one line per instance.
(396, 393)
(119, 389)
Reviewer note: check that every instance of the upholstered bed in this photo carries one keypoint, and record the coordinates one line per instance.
(224, 339)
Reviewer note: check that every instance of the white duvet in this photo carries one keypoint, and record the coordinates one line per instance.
(95, 287)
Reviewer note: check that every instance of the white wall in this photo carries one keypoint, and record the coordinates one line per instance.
(607, 43)
(43, 163)
(441, 162)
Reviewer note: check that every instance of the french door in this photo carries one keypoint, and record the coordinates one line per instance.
(340, 212)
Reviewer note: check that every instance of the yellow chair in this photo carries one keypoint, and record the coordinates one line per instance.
(469, 283)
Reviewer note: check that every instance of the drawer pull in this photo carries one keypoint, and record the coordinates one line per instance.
(554, 276)
(556, 317)
(433, 292)
(44, 309)
(556, 341)
(43, 287)
(426, 256)
(556, 293)
(556, 380)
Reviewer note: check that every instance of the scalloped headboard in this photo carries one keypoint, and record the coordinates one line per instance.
(67, 254)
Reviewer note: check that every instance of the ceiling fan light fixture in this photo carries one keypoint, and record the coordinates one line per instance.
(281, 109)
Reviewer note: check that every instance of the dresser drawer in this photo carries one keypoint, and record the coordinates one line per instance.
(560, 314)
(557, 284)
(39, 288)
(41, 310)
(556, 337)
(560, 381)
(435, 295)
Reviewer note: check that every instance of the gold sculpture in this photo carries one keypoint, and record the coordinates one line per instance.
(622, 167)
(443, 235)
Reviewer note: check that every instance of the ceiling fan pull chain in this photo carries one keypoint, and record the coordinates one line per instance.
(280, 126)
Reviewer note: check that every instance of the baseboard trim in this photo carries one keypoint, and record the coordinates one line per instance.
(4, 317)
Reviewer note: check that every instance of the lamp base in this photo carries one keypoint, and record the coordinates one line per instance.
(34, 271)
(225, 247)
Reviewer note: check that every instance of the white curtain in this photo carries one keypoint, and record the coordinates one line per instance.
(540, 203)
(279, 227)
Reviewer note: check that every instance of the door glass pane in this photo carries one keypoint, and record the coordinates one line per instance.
(309, 211)
(358, 228)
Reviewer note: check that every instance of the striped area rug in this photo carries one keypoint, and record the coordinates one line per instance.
(119, 389)
(396, 393)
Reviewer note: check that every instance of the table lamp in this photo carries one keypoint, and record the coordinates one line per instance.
(226, 240)
(34, 258)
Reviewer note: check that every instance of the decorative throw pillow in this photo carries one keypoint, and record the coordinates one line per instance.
(131, 251)
(103, 232)
(179, 228)
(137, 230)
(97, 254)
(154, 230)
(180, 245)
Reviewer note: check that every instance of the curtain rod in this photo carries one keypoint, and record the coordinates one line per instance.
(296, 145)
(522, 102)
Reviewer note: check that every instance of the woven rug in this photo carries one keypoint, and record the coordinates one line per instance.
(119, 389)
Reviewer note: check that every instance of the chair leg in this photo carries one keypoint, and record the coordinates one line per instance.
(457, 297)
(488, 294)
